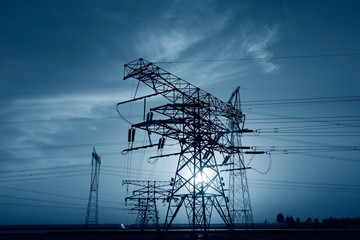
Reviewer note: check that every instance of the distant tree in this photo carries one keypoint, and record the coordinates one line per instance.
(287, 220)
(291, 220)
(316, 221)
(297, 221)
(308, 220)
(280, 218)
(341, 222)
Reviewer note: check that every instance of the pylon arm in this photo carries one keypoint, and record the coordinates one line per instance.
(142, 147)
(161, 80)
(166, 155)
(235, 169)
(159, 122)
(142, 97)
(254, 152)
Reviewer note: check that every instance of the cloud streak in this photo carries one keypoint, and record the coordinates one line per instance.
(219, 35)
(256, 43)
(52, 108)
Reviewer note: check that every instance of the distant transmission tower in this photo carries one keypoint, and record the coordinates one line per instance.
(198, 121)
(143, 200)
(240, 206)
(92, 209)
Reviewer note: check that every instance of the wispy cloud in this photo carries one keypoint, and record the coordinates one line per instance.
(247, 40)
(256, 43)
(48, 108)
(165, 45)
(183, 30)
(219, 35)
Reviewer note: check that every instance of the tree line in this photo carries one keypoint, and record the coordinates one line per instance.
(331, 222)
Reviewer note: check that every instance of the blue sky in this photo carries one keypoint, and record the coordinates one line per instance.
(61, 69)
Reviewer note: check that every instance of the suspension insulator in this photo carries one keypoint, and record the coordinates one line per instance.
(226, 159)
(149, 116)
(161, 143)
(131, 135)
(206, 155)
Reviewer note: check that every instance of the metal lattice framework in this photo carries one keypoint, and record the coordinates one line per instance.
(240, 205)
(92, 213)
(143, 200)
(199, 122)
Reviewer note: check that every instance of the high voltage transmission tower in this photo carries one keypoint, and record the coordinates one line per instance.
(240, 206)
(206, 128)
(144, 198)
(92, 208)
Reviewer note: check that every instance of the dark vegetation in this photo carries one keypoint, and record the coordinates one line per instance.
(325, 223)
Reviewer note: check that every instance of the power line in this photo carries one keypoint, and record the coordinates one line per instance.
(51, 194)
(58, 120)
(357, 186)
(54, 206)
(30, 171)
(301, 99)
(18, 122)
(41, 206)
(298, 185)
(42, 169)
(308, 135)
(302, 188)
(304, 119)
(63, 146)
(59, 174)
(81, 155)
(265, 102)
(39, 200)
(263, 58)
(328, 157)
(308, 117)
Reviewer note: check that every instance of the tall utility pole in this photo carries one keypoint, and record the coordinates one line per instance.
(92, 208)
(143, 200)
(240, 206)
(198, 121)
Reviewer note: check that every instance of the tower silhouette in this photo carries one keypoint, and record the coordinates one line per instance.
(143, 200)
(239, 196)
(206, 129)
(92, 213)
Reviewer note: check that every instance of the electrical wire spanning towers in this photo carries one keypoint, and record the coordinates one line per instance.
(92, 213)
(144, 198)
(206, 129)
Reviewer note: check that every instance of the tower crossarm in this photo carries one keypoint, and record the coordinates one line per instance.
(176, 89)
(143, 183)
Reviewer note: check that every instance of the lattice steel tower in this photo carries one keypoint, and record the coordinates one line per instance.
(198, 121)
(143, 200)
(92, 208)
(240, 206)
